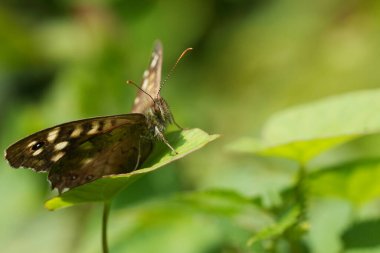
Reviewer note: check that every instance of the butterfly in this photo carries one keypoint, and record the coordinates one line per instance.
(79, 152)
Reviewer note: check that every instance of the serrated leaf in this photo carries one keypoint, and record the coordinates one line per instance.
(303, 132)
(354, 181)
(104, 189)
(277, 229)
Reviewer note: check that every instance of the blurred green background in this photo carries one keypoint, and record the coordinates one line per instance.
(65, 60)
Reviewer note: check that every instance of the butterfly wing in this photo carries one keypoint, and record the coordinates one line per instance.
(151, 81)
(40, 151)
(120, 150)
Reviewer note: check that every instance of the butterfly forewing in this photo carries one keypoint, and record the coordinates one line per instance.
(40, 151)
(151, 82)
(120, 150)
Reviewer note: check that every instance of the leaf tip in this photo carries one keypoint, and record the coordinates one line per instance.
(56, 203)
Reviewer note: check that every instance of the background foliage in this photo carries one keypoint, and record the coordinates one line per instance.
(64, 60)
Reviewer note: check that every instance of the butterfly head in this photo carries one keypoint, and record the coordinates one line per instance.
(162, 111)
(159, 115)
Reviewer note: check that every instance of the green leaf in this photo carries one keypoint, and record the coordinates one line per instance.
(362, 235)
(107, 187)
(223, 202)
(277, 229)
(301, 151)
(303, 132)
(353, 181)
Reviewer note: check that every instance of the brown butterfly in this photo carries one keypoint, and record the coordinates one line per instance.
(78, 152)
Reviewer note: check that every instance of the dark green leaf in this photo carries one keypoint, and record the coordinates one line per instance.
(277, 229)
(362, 235)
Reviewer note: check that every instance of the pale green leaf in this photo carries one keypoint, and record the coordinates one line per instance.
(355, 181)
(303, 132)
(104, 189)
(301, 151)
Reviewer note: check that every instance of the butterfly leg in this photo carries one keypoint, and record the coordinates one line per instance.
(162, 137)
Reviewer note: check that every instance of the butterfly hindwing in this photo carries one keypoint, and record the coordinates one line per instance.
(40, 151)
(151, 82)
(120, 150)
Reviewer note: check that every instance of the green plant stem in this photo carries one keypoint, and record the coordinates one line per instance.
(106, 214)
(295, 235)
(301, 193)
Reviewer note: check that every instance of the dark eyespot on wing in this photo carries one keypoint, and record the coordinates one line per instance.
(38, 145)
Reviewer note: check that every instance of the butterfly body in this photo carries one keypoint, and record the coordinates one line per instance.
(78, 152)
(159, 117)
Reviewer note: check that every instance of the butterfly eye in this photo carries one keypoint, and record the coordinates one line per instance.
(37, 146)
(89, 177)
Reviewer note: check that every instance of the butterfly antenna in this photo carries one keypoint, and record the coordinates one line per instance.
(134, 84)
(172, 69)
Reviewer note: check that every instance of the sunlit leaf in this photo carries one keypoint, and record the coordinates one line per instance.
(107, 187)
(301, 151)
(354, 181)
(303, 132)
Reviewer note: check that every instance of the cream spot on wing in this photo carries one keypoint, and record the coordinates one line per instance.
(86, 161)
(154, 61)
(65, 189)
(61, 145)
(146, 73)
(144, 84)
(94, 128)
(107, 124)
(53, 134)
(37, 152)
(137, 100)
(58, 156)
(77, 131)
(31, 144)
